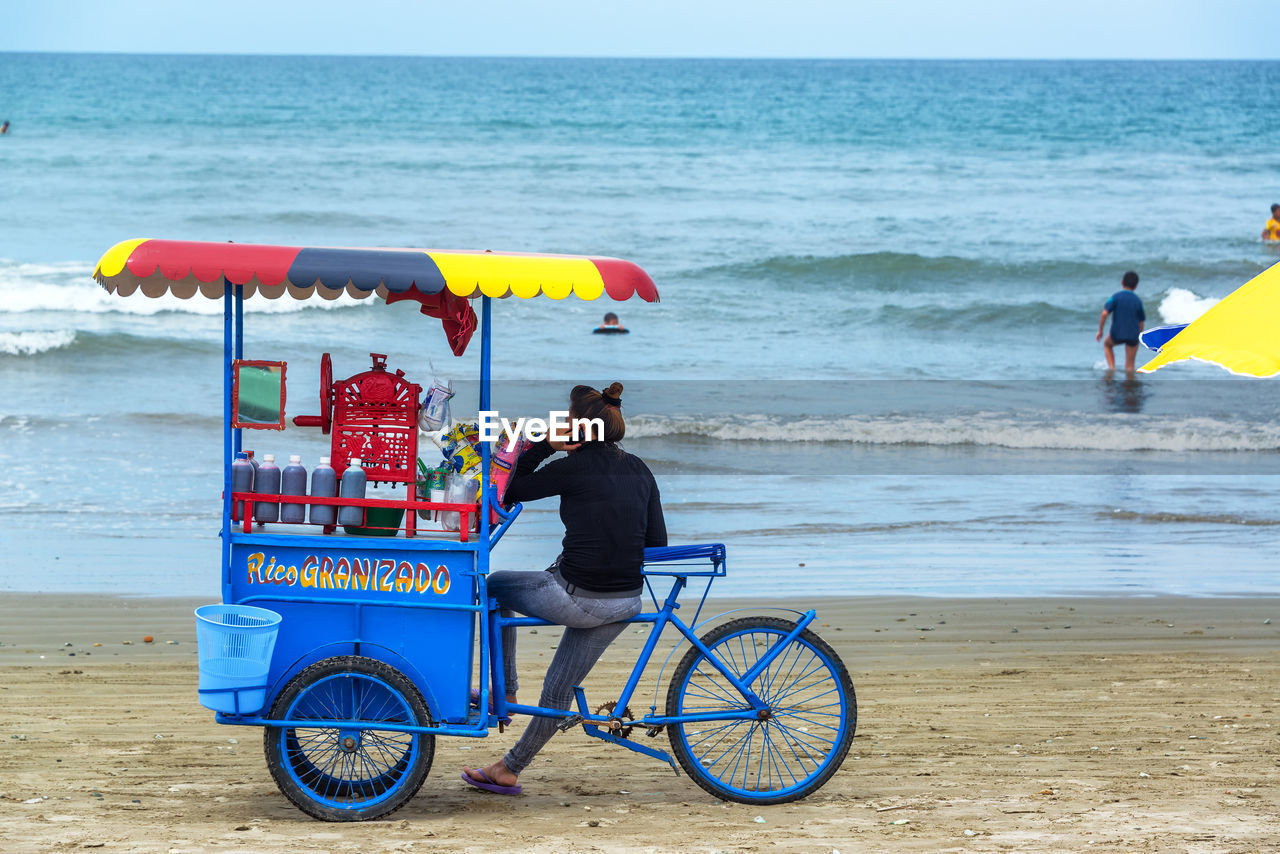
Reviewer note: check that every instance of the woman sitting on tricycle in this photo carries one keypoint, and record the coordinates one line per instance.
(612, 511)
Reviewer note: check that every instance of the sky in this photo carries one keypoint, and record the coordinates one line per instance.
(924, 29)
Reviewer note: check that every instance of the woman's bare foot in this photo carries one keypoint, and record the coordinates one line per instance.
(495, 773)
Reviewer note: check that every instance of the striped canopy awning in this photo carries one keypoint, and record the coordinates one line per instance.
(185, 268)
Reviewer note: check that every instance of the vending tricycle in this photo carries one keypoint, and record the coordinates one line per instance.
(355, 645)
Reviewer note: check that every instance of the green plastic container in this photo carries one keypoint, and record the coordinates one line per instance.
(378, 522)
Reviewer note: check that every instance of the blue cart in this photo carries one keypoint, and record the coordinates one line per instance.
(381, 638)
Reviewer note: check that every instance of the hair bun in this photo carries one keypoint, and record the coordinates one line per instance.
(612, 395)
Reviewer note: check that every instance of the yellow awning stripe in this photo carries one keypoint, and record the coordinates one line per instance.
(113, 260)
(522, 276)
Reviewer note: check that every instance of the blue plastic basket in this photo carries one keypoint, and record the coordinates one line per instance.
(235, 644)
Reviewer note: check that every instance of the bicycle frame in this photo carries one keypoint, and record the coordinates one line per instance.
(660, 620)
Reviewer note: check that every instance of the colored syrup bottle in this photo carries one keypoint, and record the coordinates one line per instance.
(293, 481)
(353, 482)
(324, 484)
(267, 482)
(241, 480)
(253, 462)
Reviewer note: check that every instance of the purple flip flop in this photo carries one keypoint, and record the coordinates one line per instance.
(490, 786)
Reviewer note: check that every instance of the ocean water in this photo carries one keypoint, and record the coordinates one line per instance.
(873, 369)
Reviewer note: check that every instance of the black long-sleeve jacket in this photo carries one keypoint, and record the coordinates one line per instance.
(610, 506)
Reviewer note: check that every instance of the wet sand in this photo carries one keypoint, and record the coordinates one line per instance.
(1136, 724)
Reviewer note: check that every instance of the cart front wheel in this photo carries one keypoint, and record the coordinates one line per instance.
(337, 773)
(782, 753)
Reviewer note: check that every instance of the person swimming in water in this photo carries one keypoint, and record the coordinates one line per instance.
(611, 326)
(1272, 229)
(4, 128)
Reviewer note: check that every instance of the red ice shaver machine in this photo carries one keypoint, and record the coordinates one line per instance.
(373, 416)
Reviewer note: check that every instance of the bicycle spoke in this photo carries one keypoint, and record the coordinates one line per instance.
(778, 734)
(794, 654)
(719, 734)
(774, 672)
(817, 670)
(734, 747)
(712, 691)
(810, 745)
(708, 686)
(800, 748)
(768, 762)
(743, 744)
(799, 717)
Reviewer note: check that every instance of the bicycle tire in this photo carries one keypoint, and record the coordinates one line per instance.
(812, 705)
(357, 775)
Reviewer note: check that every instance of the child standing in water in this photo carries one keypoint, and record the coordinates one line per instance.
(1127, 321)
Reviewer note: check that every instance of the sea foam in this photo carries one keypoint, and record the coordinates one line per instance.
(69, 287)
(1051, 431)
(1182, 306)
(31, 343)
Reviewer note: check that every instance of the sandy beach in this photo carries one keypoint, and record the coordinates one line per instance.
(1134, 724)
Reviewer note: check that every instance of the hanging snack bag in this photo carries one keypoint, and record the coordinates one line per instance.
(435, 406)
(468, 433)
(502, 463)
(459, 447)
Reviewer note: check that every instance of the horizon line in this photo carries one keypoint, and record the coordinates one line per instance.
(300, 54)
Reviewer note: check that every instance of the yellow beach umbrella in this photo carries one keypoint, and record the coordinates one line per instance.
(1241, 333)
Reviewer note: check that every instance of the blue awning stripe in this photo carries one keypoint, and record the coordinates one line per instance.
(366, 269)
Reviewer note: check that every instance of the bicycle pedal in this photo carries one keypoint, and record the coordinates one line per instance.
(652, 731)
(570, 722)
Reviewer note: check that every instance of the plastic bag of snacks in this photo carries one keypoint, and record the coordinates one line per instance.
(434, 416)
(502, 463)
(459, 446)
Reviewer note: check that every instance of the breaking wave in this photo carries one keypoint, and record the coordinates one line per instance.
(1182, 306)
(1076, 432)
(32, 343)
(893, 271)
(69, 287)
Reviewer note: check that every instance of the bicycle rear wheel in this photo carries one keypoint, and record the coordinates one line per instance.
(801, 740)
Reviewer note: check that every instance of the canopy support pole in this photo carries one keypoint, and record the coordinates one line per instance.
(486, 353)
(238, 301)
(231, 318)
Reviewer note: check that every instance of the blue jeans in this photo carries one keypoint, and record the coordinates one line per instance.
(590, 626)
